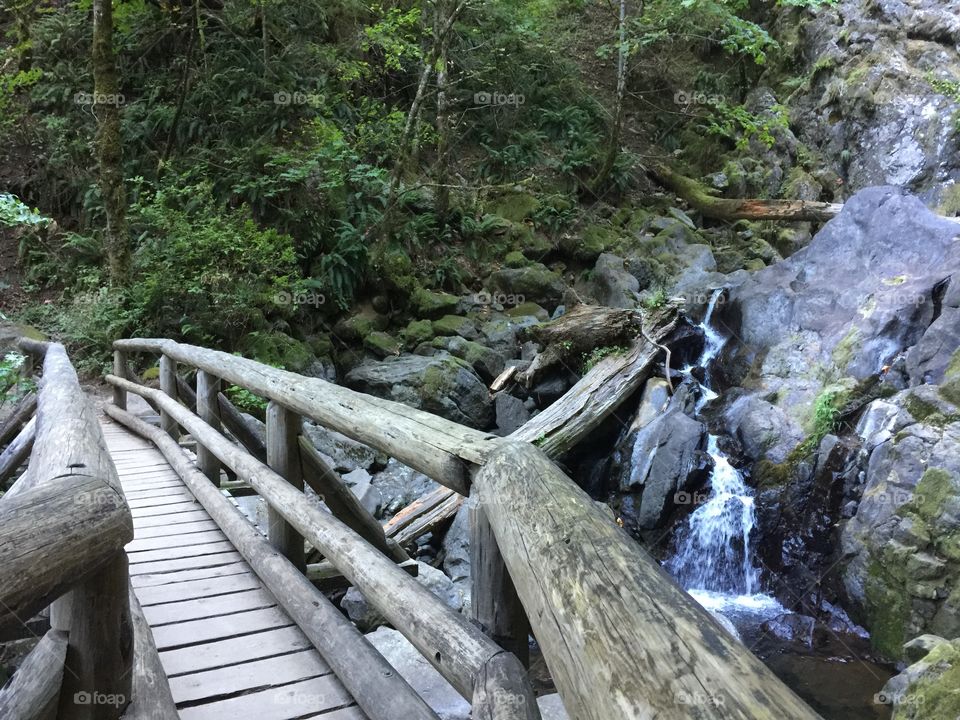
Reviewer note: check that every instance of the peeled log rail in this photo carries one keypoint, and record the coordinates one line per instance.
(432, 445)
(17, 452)
(34, 691)
(18, 418)
(457, 649)
(620, 638)
(382, 693)
(152, 699)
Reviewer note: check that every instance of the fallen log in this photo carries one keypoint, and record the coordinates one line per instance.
(423, 515)
(700, 197)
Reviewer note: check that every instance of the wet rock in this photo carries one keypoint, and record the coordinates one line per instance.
(551, 707)
(361, 483)
(764, 430)
(550, 390)
(441, 384)
(487, 363)
(927, 689)
(425, 680)
(791, 628)
(456, 558)
(667, 457)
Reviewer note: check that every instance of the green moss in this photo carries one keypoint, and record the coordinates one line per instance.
(395, 267)
(768, 474)
(932, 492)
(382, 344)
(597, 354)
(845, 350)
(920, 409)
(416, 332)
(529, 308)
(516, 207)
(356, 327)
(953, 368)
(950, 201)
(434, 383)
(276, 349)
(888, 609)
(593, 240)
(454, 325)
(950, 390)
(936, 692)
(431, 304)
(151, 374)
(515, 259)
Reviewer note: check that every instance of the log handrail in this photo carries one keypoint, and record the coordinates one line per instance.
(63, 526)
(622, 640)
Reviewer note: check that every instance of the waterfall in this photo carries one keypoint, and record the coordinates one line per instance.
(713, 558)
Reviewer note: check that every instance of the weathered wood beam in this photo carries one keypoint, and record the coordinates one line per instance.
(493, 599)
(19, 417)
(168, 385)
(499, 696)
(283, 457)
(121, 369)
(231, 418)
(378, 688)
(208, 388)
(621, 639)
(151, 699)
(430, 444)
(17, 452)
(34, 691)
(328, 579)
(346, 506)
(456, 648)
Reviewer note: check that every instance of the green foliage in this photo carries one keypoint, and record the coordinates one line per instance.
(246, 401)
(13, 385)
(14, 213)
(656, 299)
(591, 359)
(737, 124)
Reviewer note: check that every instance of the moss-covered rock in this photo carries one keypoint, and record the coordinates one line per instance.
(381, 344)
(416, 332)
(929, 689)
(515, 259)
(429, 304)
(456, 325)
(276, 349)
(355, 328)
(529, 309)
(535, 283)
(514, 206)
(486, 363)
(588, 244)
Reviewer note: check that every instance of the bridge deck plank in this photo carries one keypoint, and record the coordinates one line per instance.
(229, 650)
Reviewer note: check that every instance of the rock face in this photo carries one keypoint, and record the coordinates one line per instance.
(441, 384)
(366, 616)
(878, 80)
(903, 543)
(930, 687)
(799, 328)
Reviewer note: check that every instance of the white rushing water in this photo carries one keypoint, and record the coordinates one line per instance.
(714, 561)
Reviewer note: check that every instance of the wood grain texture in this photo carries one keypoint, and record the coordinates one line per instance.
(168, 385)
(283, 457)
(434, 446)
(152, 698)
(620, 638)
(17, 452)
(34, 691)
(19, 417)
(208, 408)
(379, 689)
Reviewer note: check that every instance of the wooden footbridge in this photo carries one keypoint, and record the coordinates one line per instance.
(165, 601)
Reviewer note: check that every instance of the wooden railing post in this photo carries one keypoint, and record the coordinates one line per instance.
(120, 370)
(168, 384)
(283, 457)
(98, 681)
(493, 600)
(208, 408)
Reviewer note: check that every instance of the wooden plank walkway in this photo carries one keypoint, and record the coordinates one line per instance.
(229, 650)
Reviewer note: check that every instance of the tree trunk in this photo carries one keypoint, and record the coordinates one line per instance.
(443, 123)
(109, 146)
(613, 149)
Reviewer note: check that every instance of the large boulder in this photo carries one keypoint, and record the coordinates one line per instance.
(797, 329)
(399, 485)
(612, 285)
(664, 458)
(879, 79)
(441, 384)
(533, 283)
(366, 616)
(929, 688)
(902, 547)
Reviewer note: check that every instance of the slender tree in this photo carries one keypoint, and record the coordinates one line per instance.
(444, 128)
(107, 101)
(613, 147)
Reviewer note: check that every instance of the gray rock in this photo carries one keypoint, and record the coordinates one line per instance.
(511, 413)
(664, 459)
(551, 707)
(400, 485)
(456, 553)
(764, 430)
(346, 455)
(487, 363)
(414, 668)
(441, 384)
(361, 483)
(612, 285)
(367, 617)
(534, 282)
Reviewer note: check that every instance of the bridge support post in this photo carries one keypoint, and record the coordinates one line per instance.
(208, 408)
(168, 384)
(120, 370)
(98, 682)
(494, 601)
(283, 457)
